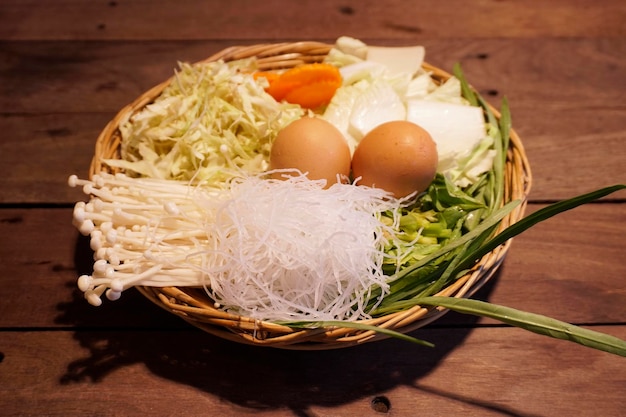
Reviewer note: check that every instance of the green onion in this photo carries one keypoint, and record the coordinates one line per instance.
(532, 322)
(357, 326)
(463, 222)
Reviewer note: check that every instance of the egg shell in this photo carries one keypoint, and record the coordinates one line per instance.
(313, 146)
(399, 157)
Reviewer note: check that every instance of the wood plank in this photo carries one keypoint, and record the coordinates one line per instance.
(67, 67)
(573, 151)
(535, 74)
(569, 267)
(503, 373)
(41, 151)
(40, 279)
(61, 77)
(279, 19)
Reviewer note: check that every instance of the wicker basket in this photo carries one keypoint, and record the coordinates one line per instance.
(193, 304)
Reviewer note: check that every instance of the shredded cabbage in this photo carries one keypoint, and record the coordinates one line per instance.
(211, 119)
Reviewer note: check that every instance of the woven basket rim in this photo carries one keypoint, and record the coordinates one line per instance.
(195, 307)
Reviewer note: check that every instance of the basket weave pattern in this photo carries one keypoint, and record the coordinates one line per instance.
(194, 305)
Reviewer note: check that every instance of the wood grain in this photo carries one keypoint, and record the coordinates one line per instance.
(309, 19)
(538, 74)
(155, 373)
(66, 68)
(58, 144)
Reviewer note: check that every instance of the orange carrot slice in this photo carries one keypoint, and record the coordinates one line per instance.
(271, 76)
(319, 80)
(314, 95)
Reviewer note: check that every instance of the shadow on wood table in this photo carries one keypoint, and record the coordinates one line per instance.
(133, 330)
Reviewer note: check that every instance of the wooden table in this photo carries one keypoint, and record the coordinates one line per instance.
(67, 67)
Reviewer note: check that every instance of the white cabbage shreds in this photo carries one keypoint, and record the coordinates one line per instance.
(211, 119)
(290, 250)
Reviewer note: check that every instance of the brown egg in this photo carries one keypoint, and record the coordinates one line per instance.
(398, 156)
(315, 147)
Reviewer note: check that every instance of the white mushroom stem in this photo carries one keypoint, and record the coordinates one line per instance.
(140, 231)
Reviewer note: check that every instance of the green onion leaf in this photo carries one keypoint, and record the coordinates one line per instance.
(532, 322)
(466, 89)
(359, 326)
(534, 218)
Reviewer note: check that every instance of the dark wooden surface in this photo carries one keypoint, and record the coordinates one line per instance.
(67, 66)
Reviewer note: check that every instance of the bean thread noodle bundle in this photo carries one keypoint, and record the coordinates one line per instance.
(280, 250)
(289, 250)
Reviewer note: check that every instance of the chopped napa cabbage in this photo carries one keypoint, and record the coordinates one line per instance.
(358, 108)
(339, 110)
(346, 51)
(378, 104)
(455, 128)
(422, 87)
(398, 59)
(363, 70)
(212, 120)
(466, 170)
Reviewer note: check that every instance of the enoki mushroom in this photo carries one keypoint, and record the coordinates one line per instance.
(267, 249)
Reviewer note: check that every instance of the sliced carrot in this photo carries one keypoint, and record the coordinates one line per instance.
(269, 75)
(314, 95)
(327, 77)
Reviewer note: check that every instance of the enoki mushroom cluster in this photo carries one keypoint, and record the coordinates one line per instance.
(266, 248)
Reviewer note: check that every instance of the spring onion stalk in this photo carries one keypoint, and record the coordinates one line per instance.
(402, 285)
(400, 298)
(532, 322)
(358, 326)
(415, 284)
